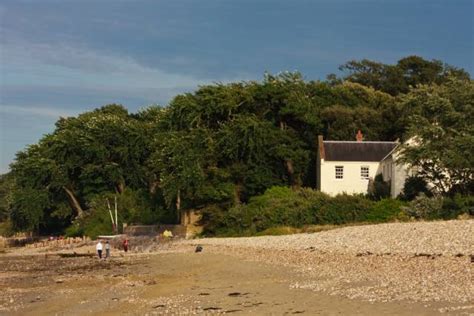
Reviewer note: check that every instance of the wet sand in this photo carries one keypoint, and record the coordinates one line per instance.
(170, 283)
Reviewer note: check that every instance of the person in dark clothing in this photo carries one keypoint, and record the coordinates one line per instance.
(125, 245)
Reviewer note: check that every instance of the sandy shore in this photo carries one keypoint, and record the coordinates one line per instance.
(420, 262)
(390, 269)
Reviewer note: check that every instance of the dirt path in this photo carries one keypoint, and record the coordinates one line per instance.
(169, 283)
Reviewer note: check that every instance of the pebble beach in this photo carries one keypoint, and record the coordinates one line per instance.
(417, 261)
(415, 268)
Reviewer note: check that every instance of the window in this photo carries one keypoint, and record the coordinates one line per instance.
(364, 172)
(339, 172)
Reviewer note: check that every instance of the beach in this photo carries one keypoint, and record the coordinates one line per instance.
(420, 268)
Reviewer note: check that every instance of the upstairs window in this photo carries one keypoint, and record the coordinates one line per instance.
(364, 172)
(339, 172)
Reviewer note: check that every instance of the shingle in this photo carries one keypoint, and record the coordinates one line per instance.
(357, 151)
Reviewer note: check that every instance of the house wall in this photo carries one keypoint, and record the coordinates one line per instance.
(352, 182)
(395, 173)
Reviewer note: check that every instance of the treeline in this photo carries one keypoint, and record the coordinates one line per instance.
(216, 148)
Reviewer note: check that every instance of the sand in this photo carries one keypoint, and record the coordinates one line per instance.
(258, 276)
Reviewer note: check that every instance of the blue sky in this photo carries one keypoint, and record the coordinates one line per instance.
(61, 58)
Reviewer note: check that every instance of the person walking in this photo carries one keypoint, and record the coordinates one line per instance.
(107, 249)
(98, 247)
(125, 245)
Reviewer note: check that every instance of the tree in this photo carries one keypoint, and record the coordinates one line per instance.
(223, 144)
(97, 152)
(6, 186)
(442, 135)
(396, 79)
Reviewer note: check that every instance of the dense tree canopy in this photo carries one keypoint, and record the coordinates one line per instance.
(442, 134)
(399, 78)
(226, 143)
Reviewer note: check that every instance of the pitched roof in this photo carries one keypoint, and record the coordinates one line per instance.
(355, 151)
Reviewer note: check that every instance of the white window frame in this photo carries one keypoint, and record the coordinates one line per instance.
(339, 172)
(364, 172)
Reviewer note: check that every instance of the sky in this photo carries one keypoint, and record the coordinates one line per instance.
(65, 57)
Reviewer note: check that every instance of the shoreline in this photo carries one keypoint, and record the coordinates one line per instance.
(263, 275)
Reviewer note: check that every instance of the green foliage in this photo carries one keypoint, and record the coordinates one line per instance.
(378, 188)
(6, 187)
(225, 145)
(413, 187)
(423, 207)
(385, 210)
(133, 207)
(6, 229)
(28, 209)
(409, 72)
(437, 207)
(457, 205)
(344, 209)
(96, 222)
(278, 206)
(442, 135)
(281, 210)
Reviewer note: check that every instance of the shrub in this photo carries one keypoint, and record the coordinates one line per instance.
(413, 187)
(278, 206)
(96, 222)
(378, 188)
(6, 229)
(213, 220)
(385, 210)
(343, 209)
(133, 208)
(457, 205)
(423, 207)
(282, 210)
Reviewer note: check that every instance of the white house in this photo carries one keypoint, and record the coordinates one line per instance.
(347, 166)
(394, 173)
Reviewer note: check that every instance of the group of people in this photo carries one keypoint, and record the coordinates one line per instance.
(100, 247)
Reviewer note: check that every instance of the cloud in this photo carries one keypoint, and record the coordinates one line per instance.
(36, 111)
(67, 67)
(66, 63)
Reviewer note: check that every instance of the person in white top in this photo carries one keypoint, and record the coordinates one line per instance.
(98, 247)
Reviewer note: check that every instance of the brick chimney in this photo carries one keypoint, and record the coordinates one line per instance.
(359, 136)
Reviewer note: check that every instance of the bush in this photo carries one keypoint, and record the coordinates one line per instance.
(75, 230)
(282, 210)
(457, 205)
(378, 188)
(237, 221)
(278, 206)
(94, 223)
(133, 208)
(6, 229)
(344, 209)
(423, 207)
(413, 187)
(284, 207)
(385, 210)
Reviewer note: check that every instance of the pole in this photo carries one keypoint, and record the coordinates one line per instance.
(111, 216)
(116, 218)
